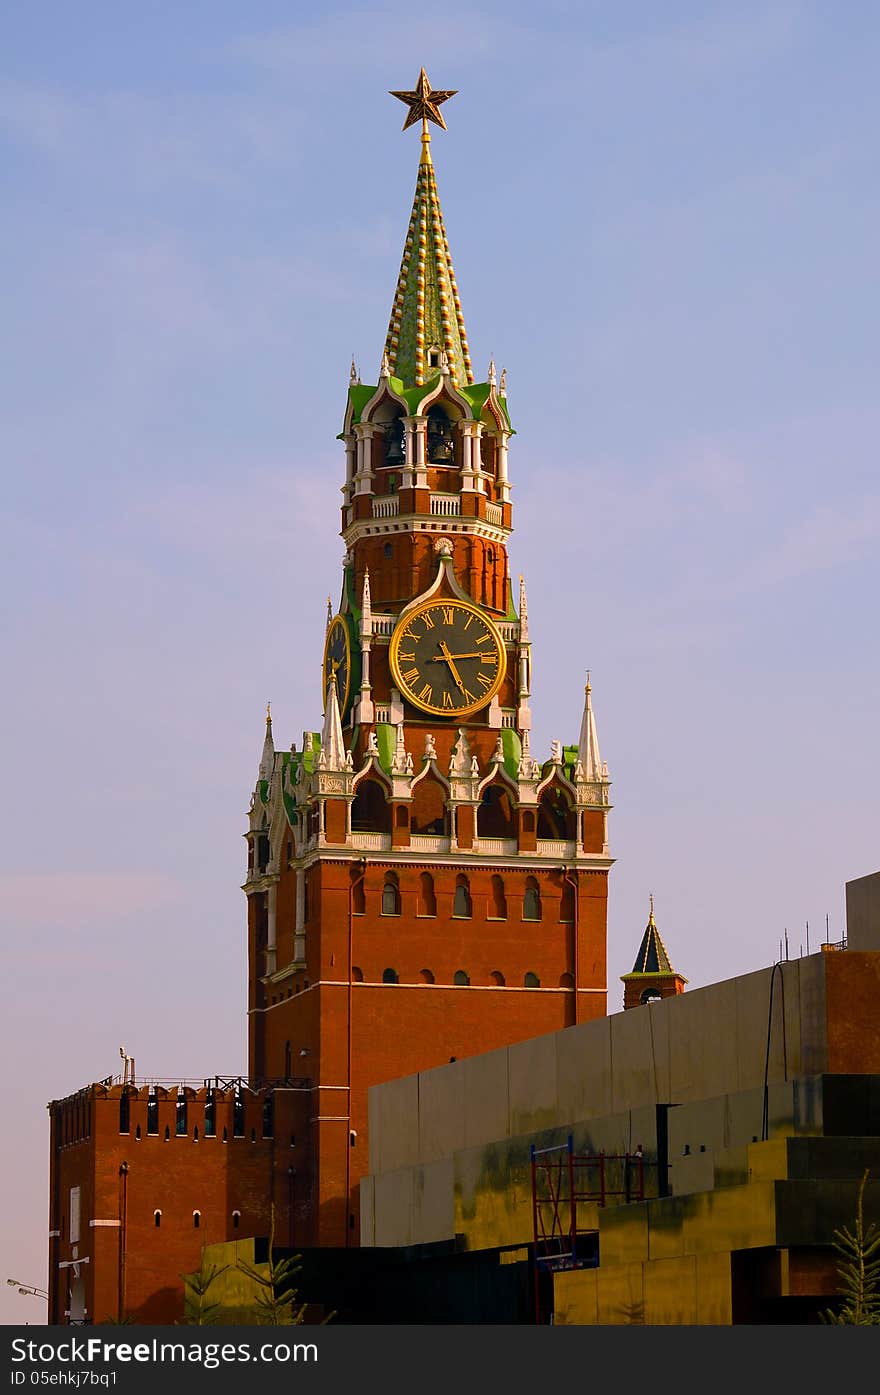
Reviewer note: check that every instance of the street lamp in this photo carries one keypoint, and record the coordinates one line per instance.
(28, 1288)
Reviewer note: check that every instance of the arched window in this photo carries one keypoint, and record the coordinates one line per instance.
(461, 906)
(390, 895)
(426, 976)
(152, 1111)
(269, 1116)
(497, 978)
(566, 904)
(370, 810)
(497, 900)
(461, 979)
(358, 895)
(236, 1217)
(210, 1115)
(566, 981)
(528, 821)
(167, 1134)
(402, 816)
(427, 898)
(197, 1219)
(357, 975)
(531, 981)
(651, 995)
(495, 814)
(124, 1112)
(195, 1133)
(531, 900)
(180, 1126)
(157, 1219)
(390, 976)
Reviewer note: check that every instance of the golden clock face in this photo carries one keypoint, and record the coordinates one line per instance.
(447, 658)
(337, 660)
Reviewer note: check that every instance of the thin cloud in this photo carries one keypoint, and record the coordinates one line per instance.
(826, 539)
(69, 900)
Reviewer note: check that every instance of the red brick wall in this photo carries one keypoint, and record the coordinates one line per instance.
(131, 1265)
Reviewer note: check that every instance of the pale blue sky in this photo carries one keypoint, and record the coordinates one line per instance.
(664, 222)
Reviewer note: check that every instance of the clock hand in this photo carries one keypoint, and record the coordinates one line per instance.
(474, 654)
(455, 673)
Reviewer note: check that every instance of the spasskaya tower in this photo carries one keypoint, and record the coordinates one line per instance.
(420, 885)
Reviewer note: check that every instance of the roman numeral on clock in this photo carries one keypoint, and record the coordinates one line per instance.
(484, 680)
(448, 615)
(447, 700)
(411, 676)
(426, 694)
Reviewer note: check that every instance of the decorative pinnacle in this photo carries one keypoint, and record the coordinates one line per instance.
(354, 376)
(385, 370)
(491, 376)
(424, 104)
(651, 916)
(588, 688)
(268, 714)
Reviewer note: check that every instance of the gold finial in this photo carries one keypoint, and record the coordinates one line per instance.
(268, 714)
(588, 688)
(424, 104)
(651, 916)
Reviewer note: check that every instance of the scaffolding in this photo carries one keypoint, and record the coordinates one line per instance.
(561, 1180)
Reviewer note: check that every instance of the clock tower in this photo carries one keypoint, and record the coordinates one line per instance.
(421, 886)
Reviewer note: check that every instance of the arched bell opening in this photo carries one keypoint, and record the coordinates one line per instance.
(428, 812)
(440, 436)
(495, 816)
(556, 817)
(370, 810)
(388, 443)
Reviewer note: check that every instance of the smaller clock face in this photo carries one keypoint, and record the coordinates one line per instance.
(447, 658)
(337, 660)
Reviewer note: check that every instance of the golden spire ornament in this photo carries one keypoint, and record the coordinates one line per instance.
(424, 104)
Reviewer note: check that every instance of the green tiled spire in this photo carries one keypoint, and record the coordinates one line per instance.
(426, 314)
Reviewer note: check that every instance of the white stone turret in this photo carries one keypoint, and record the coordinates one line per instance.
(523, 710)
(588, 742)
(267, 759)
(332, 756)
(364, 711)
